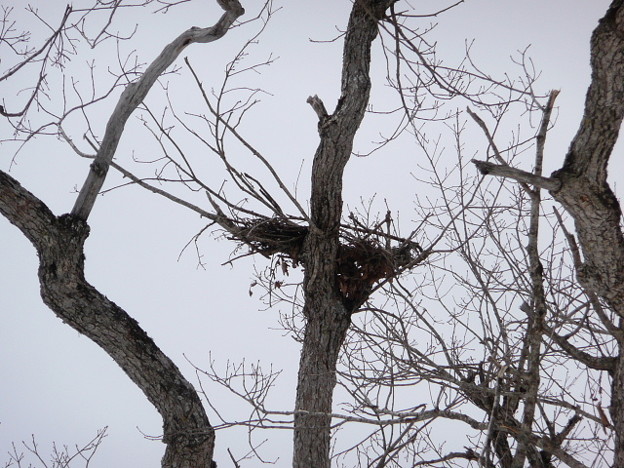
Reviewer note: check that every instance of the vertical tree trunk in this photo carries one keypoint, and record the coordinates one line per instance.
(324, 335)
(327, 317)
(617, 410)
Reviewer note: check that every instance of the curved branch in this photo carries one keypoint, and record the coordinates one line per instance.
(604, 105)
(59, 242)
(584, 190)
(134, 94)
(25, 211)
(606, 363)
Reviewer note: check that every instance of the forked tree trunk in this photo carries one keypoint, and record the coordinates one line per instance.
(59, 242)
(588, 198)
(327, 317)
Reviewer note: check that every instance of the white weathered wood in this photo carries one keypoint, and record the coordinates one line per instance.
(135, 93)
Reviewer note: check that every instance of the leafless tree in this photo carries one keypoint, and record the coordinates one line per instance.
(581, 187)
(490, 361)
(467, 334)
(60, 457)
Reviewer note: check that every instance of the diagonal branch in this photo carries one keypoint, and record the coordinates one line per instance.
(599, 363)
(22, 209)
(593, 144)
(584, 190)
(135, 93)
(59, 242)
(488, 168)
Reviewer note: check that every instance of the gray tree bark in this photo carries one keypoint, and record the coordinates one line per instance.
(587, 196)
(581, 187)
(135, 93)
(327, 315)
(59, 242)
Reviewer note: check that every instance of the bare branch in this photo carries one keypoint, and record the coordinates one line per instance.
(134, 94)
(488, 168)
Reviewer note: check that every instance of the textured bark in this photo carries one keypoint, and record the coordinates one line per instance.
(584, 190)
(581, 187)
(59, 243)
(327, 316)
(588, 198)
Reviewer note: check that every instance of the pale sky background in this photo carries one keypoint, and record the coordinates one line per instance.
(59, 386)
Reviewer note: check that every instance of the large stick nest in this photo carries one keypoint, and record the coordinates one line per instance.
(273, 235)
(362, 260)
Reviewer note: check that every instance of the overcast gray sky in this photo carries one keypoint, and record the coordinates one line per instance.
(60, 386)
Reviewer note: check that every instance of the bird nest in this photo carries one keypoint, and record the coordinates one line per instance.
(364, 262)
(273, 235)
(361, 262)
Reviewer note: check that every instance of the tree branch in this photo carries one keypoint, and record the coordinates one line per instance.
(59, 242)
(135, 93)
(604, 105)
(598, 363)
(29, 214)
(488, 168)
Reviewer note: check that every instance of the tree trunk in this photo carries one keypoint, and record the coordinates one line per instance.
(327, 315)
(581, 187)
(324, 335)
(59, 242)
(617, 410)
(60, 245)
(587, 196)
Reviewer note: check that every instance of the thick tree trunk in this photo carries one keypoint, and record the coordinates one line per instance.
(59, 242)
(584, 190)
(589, 199)
(617, 410)
(327, 316)
(324, 335)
